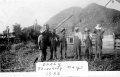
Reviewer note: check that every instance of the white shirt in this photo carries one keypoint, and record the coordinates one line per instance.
(84, 36)
(78, 34)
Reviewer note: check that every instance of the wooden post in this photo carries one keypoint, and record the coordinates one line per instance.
(63, 21)
(7, 37)
(115, 51)
(108, 3)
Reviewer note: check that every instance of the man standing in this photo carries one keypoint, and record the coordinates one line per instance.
(77, 43)
(63, 44)
(54, 40)
(45, 41)
(99, 31)
(40, 38)
(7, 30)
(88, 44)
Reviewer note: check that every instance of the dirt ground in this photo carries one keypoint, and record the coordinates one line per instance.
(21, 59)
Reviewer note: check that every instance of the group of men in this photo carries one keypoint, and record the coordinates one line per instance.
(87, 39)
(51, 39)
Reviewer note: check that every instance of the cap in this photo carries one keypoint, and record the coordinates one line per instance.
(76, 28)
(98, 26)
(63, 29)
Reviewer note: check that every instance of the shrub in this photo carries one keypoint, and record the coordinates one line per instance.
(17, 46)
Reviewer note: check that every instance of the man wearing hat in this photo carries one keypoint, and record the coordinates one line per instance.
(63, 44)
(45, 40)
(88, 44)
(99, 31)
(77, 43)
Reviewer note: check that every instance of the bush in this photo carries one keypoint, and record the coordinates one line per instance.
(17, 46)
(29, 34)
(17, 31)
(26, 34)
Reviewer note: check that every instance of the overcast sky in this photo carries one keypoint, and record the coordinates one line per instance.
(25, 12)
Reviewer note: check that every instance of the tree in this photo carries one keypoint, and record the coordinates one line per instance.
(30, 33)
(17, 31)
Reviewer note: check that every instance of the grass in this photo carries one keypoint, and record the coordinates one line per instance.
(22, 60)
(19, 59)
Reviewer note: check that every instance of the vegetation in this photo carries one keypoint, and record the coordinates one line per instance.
(26, 34)
(19, 58)
(17, 30)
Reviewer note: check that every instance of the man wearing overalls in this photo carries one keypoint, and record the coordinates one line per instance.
(45, 41)
(77, 43)
(98, 42)
(63, 44)
(88, 44)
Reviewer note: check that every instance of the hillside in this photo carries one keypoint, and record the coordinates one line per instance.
(89, 17)
(55, 20)
(94, 14)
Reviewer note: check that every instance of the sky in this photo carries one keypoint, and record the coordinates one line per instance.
(25, 12)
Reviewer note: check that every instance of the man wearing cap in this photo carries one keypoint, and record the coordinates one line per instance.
(54, 40)
(99, 31)
(77, 43)
(63, 44)
(88, 44)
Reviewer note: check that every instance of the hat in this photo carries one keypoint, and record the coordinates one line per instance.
(43, 29)
(63, 29)
(76, 28)
(98, 26)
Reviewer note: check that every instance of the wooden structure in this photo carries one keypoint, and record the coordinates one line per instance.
(110, 44)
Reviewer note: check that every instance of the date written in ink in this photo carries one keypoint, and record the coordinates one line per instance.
(52, 73)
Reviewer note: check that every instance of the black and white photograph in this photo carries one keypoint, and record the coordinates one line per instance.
(63, 33)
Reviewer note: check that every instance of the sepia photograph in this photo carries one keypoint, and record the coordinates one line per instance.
(59, 35)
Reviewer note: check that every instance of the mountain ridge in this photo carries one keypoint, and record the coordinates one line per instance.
(89, 17)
